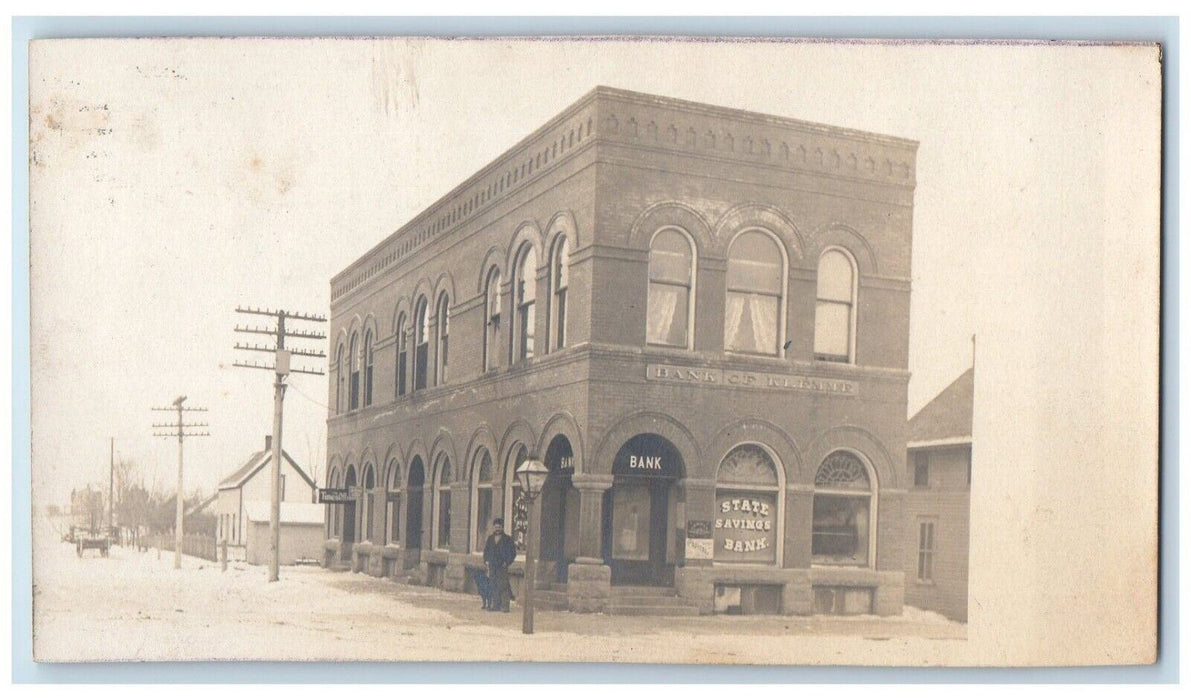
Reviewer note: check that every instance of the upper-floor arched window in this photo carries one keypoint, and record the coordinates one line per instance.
(402, 369)
(524, 296)
(368, 367)
(353, 354)
(421, 342)
(340, 379)
(559, 280)
(442, 321)
(669, 313)
(835, 307)
(753, 314)
(492, 323)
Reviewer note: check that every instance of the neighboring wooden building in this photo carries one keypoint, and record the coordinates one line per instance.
(939, 459)
(251, 482)
(301, 532)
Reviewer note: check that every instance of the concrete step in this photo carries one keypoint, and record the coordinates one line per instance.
(550, 600)
(650, 600)
(659, 610)
(644, 590)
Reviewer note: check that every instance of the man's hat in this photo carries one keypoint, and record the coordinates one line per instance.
(498, 521)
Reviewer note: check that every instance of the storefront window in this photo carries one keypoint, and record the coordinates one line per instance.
(443, 498)
(393, 503)
(517, 508)
(670, 283)
(756, 272)
(369, 501)
(482, 498)
(746, 511)
(841, 526)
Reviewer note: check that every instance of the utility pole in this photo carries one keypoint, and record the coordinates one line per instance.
(111, 483)
(180, 429)
(280, 368)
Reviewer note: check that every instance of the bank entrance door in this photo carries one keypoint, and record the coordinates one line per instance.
(638, 512)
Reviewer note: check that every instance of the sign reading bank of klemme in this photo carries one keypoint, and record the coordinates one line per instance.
(710, 376)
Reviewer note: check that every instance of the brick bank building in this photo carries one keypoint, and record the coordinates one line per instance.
(697, 317)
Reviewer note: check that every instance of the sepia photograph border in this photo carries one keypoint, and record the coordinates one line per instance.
(1163, 30)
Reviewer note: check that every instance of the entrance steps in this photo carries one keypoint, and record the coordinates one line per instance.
(648, 600)
(553, 597)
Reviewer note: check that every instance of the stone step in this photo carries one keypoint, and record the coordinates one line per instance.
(644, 590)
(550, 600)
(650, 600)
(659, 610)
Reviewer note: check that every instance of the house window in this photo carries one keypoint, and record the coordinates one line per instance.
(841, 526)
(492, 326)
(402, 354)
(753, 308)
(368, 367)
(421, 342)
(353, 356)
(369, 501)
(516, 505)
(835, 307)
(282, 484)
(926, 551)
(921, 470)
(340, 379)
(747, 529)
(481, 485)
(442, 498)
(524, 294)
(393, 503)
(671, 279)
(559, 280)
(443, 319)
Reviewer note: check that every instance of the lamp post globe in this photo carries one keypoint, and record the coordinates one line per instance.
(532, 476)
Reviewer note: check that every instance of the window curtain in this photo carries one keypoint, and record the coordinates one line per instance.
(663, 301)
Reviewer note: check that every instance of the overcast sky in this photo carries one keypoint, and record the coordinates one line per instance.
(174, 180)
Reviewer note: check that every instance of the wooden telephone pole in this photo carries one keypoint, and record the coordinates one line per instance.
(179, 429)
(280, 368)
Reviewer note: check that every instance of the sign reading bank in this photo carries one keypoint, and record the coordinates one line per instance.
(715, 377)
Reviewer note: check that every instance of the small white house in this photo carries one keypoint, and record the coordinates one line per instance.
(301, 532)
(251, 482)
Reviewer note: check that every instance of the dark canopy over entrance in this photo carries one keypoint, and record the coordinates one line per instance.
(638, 510)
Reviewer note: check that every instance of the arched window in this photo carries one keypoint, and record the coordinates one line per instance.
(492, 325)
(368, 367)
(369, 509)
(559, 280)
(340, 379)
(421, 342)
(443, 321)
(756, 280)
(402, 368)
(353, 356)
(524, 295)
(442, 505)
(393, 504)
(481, 498)
(835, 307)
(516, 505)
(841, 528)
(671, 281)
(747, 505)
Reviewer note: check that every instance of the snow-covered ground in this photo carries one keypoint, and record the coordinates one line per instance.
(136, 606)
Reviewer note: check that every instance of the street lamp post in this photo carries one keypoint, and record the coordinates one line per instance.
(532, 475)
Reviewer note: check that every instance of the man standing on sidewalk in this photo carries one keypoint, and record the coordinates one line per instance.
(499, 552)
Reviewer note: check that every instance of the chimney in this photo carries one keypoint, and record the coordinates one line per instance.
(268, 442)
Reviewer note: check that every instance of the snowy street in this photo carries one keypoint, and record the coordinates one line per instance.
(135, 606)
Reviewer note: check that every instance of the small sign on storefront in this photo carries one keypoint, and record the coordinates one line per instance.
(698, 529)
(334, 495)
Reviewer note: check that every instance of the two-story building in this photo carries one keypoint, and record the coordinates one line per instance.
(697, 317)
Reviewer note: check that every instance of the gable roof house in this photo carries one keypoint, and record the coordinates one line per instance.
(251, 483)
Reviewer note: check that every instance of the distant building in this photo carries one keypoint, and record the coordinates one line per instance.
(301, 532)
(939, 458)
(250, 483)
